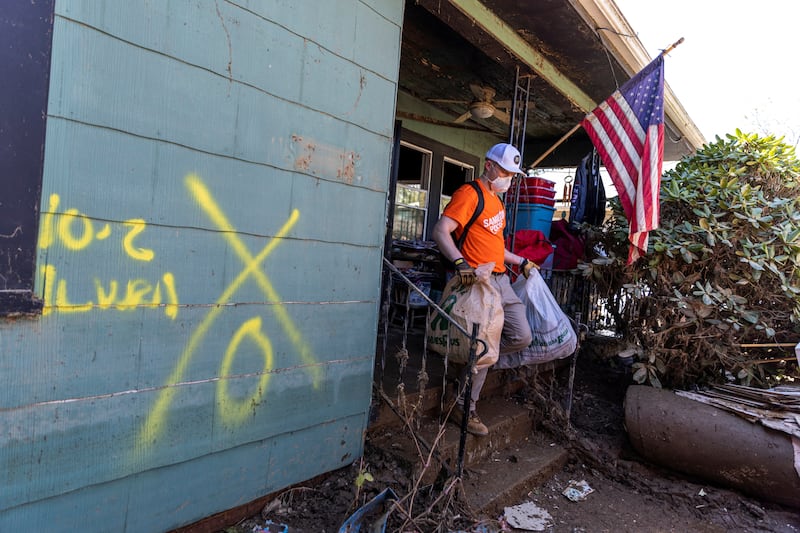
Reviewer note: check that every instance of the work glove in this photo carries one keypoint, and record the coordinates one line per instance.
(465, 272)
(526, 266)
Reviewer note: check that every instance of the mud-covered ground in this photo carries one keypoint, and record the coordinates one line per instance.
(628, 495)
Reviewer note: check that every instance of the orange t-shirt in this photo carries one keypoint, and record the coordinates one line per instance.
(484, 242)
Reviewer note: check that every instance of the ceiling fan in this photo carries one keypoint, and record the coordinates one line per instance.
(482, 106)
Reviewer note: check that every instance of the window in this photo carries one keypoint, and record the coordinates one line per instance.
(26, 32)
(428, 172)
(411, 198)
(454, 175)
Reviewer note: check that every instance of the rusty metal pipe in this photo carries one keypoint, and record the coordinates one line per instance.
(712, 444)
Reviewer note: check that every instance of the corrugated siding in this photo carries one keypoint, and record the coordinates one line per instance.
(212, 217)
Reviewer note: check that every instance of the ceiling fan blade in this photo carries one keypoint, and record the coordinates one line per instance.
(462, 118)
(502, 116)
(446, 101)
(505, 104)
(482, 93)
(477, 90)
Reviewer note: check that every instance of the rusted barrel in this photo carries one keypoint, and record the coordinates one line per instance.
(709, 443)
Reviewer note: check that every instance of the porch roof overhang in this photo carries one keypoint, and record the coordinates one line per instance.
(575, 53)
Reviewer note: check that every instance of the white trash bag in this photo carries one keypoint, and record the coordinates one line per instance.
(553, 336)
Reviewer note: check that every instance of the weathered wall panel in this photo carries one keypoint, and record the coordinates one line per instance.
(158, 192)
(68, 438)
(74, 362)
(159, 499)
(345, 28)
(328, 83)
(209, 256)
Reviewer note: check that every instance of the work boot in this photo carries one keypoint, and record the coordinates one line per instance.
(474, 424)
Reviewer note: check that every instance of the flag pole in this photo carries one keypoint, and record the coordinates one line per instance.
(556, 145)
(671, 47)
(577, 126)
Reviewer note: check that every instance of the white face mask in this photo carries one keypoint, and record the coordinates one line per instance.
(501, 185)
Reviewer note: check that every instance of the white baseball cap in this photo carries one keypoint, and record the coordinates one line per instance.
(506, 156)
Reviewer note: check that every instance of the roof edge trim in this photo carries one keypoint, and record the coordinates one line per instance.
(626, 47)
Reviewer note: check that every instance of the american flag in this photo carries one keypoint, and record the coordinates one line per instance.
(628, 132)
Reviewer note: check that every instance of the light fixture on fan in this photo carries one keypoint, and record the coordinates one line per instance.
(481, 109)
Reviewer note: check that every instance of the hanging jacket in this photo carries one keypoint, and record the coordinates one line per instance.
(588, 202)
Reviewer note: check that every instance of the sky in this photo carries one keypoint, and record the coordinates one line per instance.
(736, 67)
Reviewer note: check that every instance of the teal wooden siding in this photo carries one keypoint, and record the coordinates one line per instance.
(211, 231)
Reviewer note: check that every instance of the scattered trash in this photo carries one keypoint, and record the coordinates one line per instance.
(372, 515)
(797, 352)
(755, 510)
(271, 527)
(577, 490)
(528, 516)
(276, 506)
(481, 528)
(702, 492)
(626, 358)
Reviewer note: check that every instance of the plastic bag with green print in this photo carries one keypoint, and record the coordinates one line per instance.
(479, 303)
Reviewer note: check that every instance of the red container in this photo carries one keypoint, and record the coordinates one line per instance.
(537, 182)
(537, 195)
(539, 191)
(533, 199)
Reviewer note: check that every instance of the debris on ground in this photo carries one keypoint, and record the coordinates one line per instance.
(577, 491)
(528, 516)
(630, 494)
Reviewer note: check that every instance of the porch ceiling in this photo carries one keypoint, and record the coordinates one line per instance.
(450, 44)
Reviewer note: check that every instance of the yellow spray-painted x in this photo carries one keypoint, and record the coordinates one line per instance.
(154, 424)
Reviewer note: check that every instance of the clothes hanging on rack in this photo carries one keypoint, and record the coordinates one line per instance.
(588, 202)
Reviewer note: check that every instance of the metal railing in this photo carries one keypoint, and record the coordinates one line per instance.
(474, 353)
(578, 297)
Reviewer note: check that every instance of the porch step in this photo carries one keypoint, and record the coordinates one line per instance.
(499, 384)
(500, 468)
(505, 478)
(511, 438)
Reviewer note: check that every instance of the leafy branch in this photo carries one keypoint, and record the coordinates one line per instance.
(721, 271)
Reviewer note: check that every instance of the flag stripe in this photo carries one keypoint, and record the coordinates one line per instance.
(609, 137)
(653, 171)
(618, 128)
(610, 134)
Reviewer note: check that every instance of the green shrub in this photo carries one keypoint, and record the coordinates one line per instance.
(722, 270)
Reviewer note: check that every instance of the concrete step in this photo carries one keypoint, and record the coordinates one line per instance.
(505, 478)
(499, 384)
(500, 468)
(511, 434)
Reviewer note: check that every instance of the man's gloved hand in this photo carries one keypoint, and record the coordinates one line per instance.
(526, 266)
(465, 272)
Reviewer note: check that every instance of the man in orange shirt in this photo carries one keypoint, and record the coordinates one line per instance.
(485, 243)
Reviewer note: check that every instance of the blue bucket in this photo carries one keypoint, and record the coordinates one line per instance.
(534, 216)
